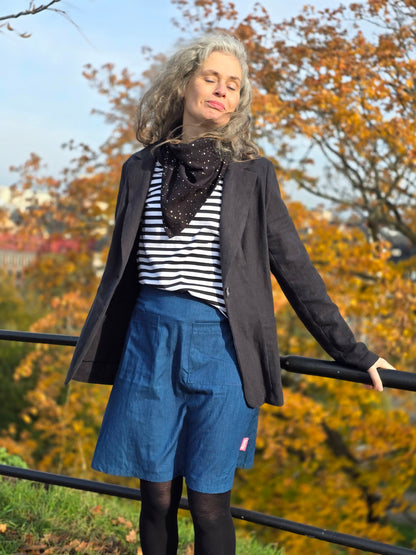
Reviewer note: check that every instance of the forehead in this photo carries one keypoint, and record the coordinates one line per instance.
(224, 64)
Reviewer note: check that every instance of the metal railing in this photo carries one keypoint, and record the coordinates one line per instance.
(291, 363)
(296, 364)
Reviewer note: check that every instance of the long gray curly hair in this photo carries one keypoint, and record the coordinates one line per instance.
(160, 110)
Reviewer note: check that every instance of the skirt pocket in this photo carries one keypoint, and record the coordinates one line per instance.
(212, 358)
(140, 351)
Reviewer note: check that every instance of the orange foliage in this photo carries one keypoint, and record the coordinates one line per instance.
(62, 422)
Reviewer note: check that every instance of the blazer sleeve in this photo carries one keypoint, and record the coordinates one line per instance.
(86, 348)
(303, 286)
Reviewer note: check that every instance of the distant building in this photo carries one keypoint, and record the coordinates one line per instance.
(17, 253)
(15, 256)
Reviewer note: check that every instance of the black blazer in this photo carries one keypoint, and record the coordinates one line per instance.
(257, 236)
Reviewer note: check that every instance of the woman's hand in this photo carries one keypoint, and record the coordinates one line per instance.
(375, 376)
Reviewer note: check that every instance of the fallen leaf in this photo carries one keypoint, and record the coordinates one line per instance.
(131, 536)
(82, 547)
(96, 510)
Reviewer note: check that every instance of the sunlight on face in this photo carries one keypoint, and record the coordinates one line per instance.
(212, 94)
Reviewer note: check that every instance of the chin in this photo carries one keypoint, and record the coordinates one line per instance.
(216, 123)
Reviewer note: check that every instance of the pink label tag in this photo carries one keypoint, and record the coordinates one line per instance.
(244, 444)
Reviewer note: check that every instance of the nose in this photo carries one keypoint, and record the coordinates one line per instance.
(220, 89)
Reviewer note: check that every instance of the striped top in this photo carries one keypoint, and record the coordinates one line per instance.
(189, 261)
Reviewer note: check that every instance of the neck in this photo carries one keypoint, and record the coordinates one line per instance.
(190, 134)
(192, 131)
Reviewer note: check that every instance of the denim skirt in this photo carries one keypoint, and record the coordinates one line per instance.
(177, 406)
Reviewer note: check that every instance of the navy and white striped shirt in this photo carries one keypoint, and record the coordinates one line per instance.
(189, 261)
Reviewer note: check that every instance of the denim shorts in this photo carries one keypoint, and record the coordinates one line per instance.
(177, 406)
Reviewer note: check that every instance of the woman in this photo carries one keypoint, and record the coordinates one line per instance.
(183, 321)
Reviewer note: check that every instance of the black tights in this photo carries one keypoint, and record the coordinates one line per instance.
(213, 524)
(158, 517)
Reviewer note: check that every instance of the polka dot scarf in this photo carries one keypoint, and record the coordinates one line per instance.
(190, 173)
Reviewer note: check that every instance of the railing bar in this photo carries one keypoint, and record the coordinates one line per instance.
(322, 534)
(34, 337)
(329, 369)
(70, 482)
(291, 363)
(242, 514)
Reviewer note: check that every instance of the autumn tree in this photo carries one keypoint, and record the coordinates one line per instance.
(342, 81)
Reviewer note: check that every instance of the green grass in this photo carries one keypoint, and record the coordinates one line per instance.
(38, 519)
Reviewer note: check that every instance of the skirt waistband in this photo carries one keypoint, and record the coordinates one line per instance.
(178, 305)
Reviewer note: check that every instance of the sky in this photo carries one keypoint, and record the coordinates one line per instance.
(44, 99)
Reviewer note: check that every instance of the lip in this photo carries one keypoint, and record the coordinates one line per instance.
(216, 105)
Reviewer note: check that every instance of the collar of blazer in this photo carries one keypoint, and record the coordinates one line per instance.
(239, 184)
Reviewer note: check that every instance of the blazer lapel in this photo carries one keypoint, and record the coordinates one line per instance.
(239, 184)
(139, 177)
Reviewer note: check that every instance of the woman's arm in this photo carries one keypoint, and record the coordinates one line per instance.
(306, 291)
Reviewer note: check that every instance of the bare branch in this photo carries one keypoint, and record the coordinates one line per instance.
(31, 11)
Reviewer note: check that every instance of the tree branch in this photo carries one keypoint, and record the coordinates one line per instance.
(30, 11)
